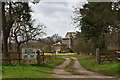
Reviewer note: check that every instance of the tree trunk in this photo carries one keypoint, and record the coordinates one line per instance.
(119, 40)
(18, 47)
(5, 38)
(10, 44)
(0, 33)
(18, 50)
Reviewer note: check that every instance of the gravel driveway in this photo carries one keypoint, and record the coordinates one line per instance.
(59, 71)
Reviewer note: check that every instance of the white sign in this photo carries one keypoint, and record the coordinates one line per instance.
(29, 54)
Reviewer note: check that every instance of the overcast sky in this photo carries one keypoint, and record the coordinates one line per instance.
(55, 15)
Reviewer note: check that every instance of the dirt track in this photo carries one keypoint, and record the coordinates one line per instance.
(59, 71)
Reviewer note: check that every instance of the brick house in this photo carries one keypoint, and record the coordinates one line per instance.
(59, 47)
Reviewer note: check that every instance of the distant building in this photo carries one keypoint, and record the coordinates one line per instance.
(69, 39)
(59, 47)
(66, 44)
(70, 35)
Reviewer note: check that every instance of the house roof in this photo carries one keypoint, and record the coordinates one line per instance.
(65, 38)
(57, 44)
(70, 34)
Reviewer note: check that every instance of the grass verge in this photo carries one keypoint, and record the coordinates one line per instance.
(108, 68)
(30, 71)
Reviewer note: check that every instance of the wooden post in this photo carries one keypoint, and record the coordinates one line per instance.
(19, 57)
(97, 56)
(43, 55)
(38, 57)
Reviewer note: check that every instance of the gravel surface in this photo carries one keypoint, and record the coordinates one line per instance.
(59, 71)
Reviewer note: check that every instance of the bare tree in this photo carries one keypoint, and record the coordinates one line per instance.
(52, 39)
(48, 40)
(56, 38)
(23, 33)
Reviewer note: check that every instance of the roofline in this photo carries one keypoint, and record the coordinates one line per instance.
(69, 32)
(65, 38)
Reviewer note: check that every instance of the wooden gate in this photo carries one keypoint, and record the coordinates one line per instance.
(107, 56)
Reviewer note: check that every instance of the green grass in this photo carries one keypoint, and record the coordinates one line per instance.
(108, 68)
(31, 71)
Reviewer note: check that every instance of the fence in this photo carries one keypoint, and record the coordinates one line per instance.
(107, 56)
(16, 57)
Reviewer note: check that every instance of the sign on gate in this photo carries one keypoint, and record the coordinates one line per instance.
(29, 54)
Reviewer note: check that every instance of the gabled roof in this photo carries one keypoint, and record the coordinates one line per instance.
(70, 34)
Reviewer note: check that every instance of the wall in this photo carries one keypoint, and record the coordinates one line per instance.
(66, 41)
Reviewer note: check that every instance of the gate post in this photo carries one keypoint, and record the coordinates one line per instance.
(38, 57)
(43, 55)
(97, 56)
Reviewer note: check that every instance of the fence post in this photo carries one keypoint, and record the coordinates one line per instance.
(19, 57)
(97, 56)
(43, 55)
(38, 57)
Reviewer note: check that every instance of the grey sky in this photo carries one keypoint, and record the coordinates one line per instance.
(55, 15)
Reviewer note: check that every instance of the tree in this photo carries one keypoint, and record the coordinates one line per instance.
(56, 38)
(96, 19)
(9, 12)
(24, 28)
(25, 33)
(52, 39)
(6, 25)
(117, 10)
(48, 40)
(83, 46)
(0, 31)
(12, 12)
